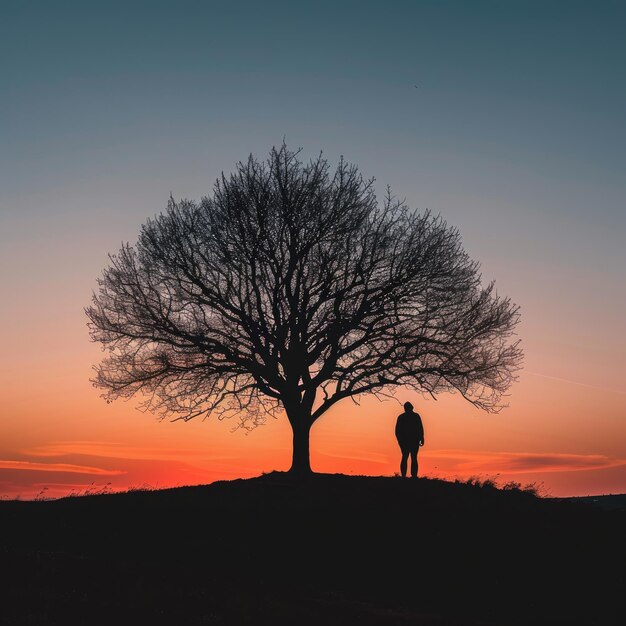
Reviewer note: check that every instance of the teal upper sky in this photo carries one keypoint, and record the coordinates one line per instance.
(507, 117)
(101, 88)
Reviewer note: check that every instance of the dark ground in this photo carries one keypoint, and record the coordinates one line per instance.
(333, 550)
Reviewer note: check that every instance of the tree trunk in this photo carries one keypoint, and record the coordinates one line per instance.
(300, 464)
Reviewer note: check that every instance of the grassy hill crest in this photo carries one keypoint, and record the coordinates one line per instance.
(331, 549)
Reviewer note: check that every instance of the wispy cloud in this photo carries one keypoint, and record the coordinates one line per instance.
(576, 382)
(368, 457)
(58, 467)
(114, 450)
(466, 461)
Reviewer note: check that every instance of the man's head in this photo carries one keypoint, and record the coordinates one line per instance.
(408, 407)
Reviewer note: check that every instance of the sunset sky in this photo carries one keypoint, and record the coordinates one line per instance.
(507, 118)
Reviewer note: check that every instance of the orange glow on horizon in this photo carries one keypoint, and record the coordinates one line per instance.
(119, 448)
(565, 428)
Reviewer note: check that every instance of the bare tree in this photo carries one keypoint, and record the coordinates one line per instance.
(291, 288)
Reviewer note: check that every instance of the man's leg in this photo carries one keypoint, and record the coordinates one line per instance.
(403, 463)
(414, 463)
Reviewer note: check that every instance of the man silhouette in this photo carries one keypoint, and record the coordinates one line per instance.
(410, 436)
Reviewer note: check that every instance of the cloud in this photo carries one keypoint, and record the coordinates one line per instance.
(465, 461)
(58, 467)
(113, 450)
(366, 457)
(576, 382)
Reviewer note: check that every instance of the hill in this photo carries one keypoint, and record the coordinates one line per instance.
(330, 550)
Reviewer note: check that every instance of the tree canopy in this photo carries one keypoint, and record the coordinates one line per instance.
(290, 288)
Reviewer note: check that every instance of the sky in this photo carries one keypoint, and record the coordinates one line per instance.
(505, 117)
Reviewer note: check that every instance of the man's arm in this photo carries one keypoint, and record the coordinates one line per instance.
(397, 431)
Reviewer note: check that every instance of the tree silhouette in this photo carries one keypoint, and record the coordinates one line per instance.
(289, 289)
